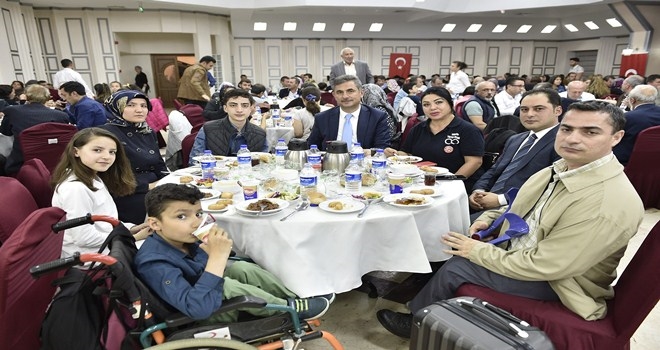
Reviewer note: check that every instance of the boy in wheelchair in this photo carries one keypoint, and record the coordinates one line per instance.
(193, 276)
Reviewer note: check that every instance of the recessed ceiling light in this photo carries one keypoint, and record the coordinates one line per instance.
(474, 28)
(290, 26)
(375, 27)
(613, 22)
(591, 25)
(549, 29)
(419, 0)
(260, 26)
(571, 28)
(499, 28)
(524, 28)
(318, 27)
(347, 27)
(448, 27)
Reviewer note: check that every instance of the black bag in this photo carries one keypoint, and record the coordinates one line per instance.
(470, 323)
(496, 138)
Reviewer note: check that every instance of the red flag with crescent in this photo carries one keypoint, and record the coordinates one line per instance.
(400, 64)
(633, 64)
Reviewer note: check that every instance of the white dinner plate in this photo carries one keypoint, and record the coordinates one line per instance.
(217, 158)
(214, 194)
(392, 198)
(206, 204)
(372, 196)
(412, 173)
(241, 208)
(436, 190)
(440, 170)
(349, 206)
(405, 159)
(193, 170)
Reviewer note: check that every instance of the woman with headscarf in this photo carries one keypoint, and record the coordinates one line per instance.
(374, 96)
(127, 114)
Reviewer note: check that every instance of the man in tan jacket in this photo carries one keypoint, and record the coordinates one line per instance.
(194, 85)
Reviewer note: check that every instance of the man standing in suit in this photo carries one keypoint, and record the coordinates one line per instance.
(351, 121)
(644, 114)
(349, 66)
(524, 154)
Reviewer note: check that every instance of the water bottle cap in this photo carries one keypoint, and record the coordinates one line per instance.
(280, 140)
(243, 146)
(207, 151)
(379, 150)
(313, 146)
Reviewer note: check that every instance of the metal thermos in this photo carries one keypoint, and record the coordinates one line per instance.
(336, 156)
(296, 156)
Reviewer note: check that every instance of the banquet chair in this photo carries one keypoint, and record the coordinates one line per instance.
(47, 142)
(326, 97)
(643, 169)
(186, 148)
(36, 178)
(177, 104)
(23, 299)
(18, 204)
(157, 118)
(193, 113)
(635, 294)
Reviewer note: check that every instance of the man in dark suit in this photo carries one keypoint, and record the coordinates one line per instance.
(644, 114)
(21, 117)
(351, 121)
(293, 88)
(349, 66)
(524, 154)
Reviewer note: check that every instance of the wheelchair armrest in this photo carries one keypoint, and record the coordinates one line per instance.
(180, 319)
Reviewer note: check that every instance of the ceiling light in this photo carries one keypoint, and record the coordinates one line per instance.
(571, 28)
(499, 28)
(474, 28)
(376, 27)
(419, 0)
(260, 26)
(591, 25)
(347, 27)
(290, 26)
(549, 29)
(524, 28)
(318, 27)
(613, 22)
(448, 27)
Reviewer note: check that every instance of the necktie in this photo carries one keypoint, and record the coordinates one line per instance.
(347, 133)
(498, 187)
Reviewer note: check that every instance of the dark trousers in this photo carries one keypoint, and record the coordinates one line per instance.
(457, 271)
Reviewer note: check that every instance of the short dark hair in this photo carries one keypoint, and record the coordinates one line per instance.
(73, 86)
(576, 59)
(512, 80)
(460, 65)
(345, 79)
(66, 62)
(234, 93)
(616, 117)
(439, 91)
(652, 77)
(258, 89)
(160, 197)
(407, 86)
(551, 94)
(245, 80)
(207, 59)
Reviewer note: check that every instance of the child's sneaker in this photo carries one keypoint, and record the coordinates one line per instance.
(329, 297)
(310, 308)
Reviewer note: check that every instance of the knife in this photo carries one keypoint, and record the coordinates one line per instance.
(450, 177)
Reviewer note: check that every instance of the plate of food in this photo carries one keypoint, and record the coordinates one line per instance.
(209, 194)
(341, 206)
(423, 190)
(434, 169)
(263, 157)
(203, 183)
(217, 206)
(405, 169)
(193, 170)
(368, 196)
(261, 207)
(287, 196)
(408, 200)
(404, 159)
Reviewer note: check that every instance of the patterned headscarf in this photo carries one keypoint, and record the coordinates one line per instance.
(393, 85)
(374, 96)
(116, 103)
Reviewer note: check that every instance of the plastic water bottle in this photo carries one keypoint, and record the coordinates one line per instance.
(314, 158)
(275, 116)
(379, 164)
(256, 118)
(357, 153)
(208, 163)
(308, 179)
(280, 152)
(353, 177)
(244, 159)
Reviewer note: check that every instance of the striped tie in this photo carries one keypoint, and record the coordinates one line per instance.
(498, 187)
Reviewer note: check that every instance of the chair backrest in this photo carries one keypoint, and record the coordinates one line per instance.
(193, 113)
(36, 178)
(642, 168)
(18, 204)
(47, 142)
(326, 97)
(177, 104)
(23, 299)
(186, 148)
(157, 118)
(638, 289)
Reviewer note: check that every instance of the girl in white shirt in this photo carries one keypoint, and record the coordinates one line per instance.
(93, 166)
(458, 80)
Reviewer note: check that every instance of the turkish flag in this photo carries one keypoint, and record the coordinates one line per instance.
(400, 64)
(633, 64)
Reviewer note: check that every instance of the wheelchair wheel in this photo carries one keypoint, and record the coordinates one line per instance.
(206, 343)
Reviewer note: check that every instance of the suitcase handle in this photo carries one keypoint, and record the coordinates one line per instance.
(493, 316)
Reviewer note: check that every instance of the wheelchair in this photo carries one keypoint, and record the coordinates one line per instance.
(149, 323)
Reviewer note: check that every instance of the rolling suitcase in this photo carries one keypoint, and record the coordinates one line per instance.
(470, 323)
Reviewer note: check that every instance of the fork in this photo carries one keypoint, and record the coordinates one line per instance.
(300, 207)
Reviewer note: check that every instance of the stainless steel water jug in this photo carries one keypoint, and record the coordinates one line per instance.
(336, 156)
(296, 156)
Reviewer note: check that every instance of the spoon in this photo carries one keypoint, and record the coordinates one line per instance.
(300, 207)
(368, 203)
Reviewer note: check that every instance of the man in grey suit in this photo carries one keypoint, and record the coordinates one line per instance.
(524, 154)
(349, 66)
